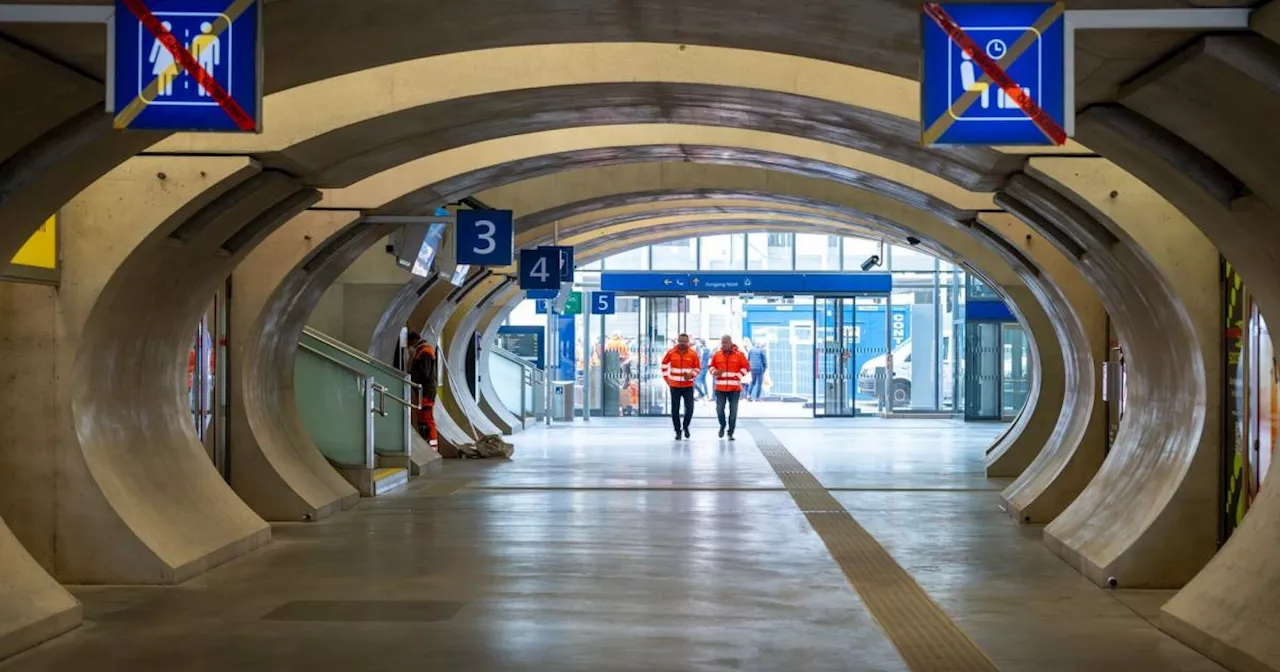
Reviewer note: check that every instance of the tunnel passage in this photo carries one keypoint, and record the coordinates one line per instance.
(777, 36)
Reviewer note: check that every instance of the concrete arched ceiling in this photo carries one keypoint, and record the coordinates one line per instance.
(57, 145)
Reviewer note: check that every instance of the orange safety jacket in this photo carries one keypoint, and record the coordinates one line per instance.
(729, 369)
(680, 368)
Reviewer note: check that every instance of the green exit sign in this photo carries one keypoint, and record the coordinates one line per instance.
(574, 305)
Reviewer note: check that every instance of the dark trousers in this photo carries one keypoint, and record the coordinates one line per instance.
(678, 393)
(756, 387)
(732, 398)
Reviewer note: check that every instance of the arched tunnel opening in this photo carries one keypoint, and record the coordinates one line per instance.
(982, 372)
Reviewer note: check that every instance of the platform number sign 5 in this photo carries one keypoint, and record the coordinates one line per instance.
(539, 269)
(604, 303)
(486, 237)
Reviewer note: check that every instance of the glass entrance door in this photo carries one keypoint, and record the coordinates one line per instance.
(982, 371)
(835, 323)
(662, 319)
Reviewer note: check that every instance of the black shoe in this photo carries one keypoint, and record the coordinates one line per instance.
(677, 436)
(731, 436)
(686, 433)
(722, 432)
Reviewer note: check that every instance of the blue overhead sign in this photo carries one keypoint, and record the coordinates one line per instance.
(604, 303)
(539, 269)
(486, 237)
(541, 293)
(969, 50)
(988, 311)
(566, 261)
(188, 65)
(732, 282)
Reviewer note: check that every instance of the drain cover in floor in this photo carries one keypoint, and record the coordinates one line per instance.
(420, 611)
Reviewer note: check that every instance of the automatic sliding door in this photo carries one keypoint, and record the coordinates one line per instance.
(664, 320)
(835, 341)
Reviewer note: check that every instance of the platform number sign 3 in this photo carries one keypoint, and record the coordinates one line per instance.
(539, 269)
(486, 237)
(604, 303)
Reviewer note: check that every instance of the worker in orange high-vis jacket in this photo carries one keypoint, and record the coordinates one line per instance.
(424, 370)
(728, 367)
(680, 367)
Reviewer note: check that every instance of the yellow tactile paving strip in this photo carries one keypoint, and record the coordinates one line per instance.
(925, 637)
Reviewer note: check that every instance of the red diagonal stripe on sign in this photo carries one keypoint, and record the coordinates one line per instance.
(188, 62)
(992, 69)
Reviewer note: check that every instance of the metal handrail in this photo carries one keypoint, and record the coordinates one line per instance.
(354, 353)
(320, 353)
(386, 393)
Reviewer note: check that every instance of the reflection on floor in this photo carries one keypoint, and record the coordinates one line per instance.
(614, 547)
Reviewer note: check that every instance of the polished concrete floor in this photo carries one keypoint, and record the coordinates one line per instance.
(616, 548)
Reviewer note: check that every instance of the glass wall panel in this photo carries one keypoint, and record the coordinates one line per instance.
(910, 259)
(856, 251)
(631, 260)
(817, 252)
(770, 251)
(724, 253)
(1016, 368)
(677, 255)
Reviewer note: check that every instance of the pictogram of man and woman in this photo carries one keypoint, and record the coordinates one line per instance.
(205, 48)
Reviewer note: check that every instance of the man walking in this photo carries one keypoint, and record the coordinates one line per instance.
(680, 367)
(758, 360)
(728, 366)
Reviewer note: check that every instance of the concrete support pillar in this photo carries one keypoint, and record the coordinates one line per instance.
(135, 497)
(1073, 453)
(275, 467)
(1149, 517)
(1200, 128)
(1029, 433)
(33, 607)
(433, 312)
(459, 330)
(490, 403)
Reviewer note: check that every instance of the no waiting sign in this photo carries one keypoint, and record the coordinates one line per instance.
(993, 74)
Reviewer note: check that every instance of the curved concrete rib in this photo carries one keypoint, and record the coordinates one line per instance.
(487, 329)
(275, 467)
(1030, 432)
(1148, 518)
(459, 332)
(432, 313)
(386, 333)
(1074, 451)
(1222, 175)
(33, 607)
(142, 502)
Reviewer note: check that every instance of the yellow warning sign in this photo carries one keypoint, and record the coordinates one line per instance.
(41, 250)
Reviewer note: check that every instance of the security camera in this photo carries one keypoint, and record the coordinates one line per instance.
(871, 262)
(913, 240)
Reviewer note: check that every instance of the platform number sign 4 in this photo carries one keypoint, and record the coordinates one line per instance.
(539, 269)
(486, 237)
(604, 303)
